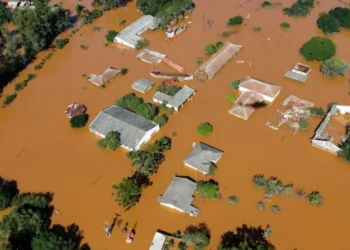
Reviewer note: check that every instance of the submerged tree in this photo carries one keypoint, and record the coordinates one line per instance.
(208, 189)
(334, 67)
(197, 237)
(318, 49)
(127, 193)
(204, 128)
(111, 141)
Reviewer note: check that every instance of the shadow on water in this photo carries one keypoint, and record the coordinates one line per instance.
(72, 232)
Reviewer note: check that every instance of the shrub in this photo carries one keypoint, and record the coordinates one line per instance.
(204, 128)
(123, 71)
(199, 60)
(218, 45)
(121, 21)
(317, 112)
(343, 15)
(160, 119)
(141, 43)
(212, 169)
(78, 9)
(196, 237)
(31, 76)
(41, 200)
(163, 144)
(208, 189)
(111, 34)
(315, 198)
(318, 49)
(234, 21)
(182, 245)
(300, 8)
(79, 121)
(230, 98)
(285, 25)
(288, 189)
(303, 124)
(234, 85)
(96, 13)
(147, 110)
(259, 181)
(257, 29)
(169, 111)
(84, 47)
(8, 191)
(60, 43)
(9, 99)
(275, 209)
(274, 186)
(111, 141)
(232, 200)
(334, 67)
(328, 24)
(260, 205)
(210, 49)
(38, 66)
(266, 4)
(19, 86)
(129, 101)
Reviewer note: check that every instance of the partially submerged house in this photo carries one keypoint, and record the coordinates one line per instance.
(130, 35)
(324, 137)
(75, 109)
(105, 77)
(134, 130)
(208, 69)
(293, 110)
(177, 101)
(202, 157)
(153, 57)
(179, 196)
(142, 85)
(245, 105)
(267, 91)
(158, 241)
(299, 72)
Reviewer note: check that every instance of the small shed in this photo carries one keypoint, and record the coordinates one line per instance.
(105, 77)
(299, 72)
(245, 105)
(142, 85)
(208, 69)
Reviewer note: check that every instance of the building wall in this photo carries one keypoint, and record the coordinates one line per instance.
(147, 137)
(343, 109)
(168, 105)
(196, 169)
(266, 98)
(121, 41)
(172, 207)
(326, 146)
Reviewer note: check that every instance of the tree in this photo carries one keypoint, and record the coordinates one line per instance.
(79, 121)
(129, 101)
(40, 200)
(5, 14)
(300, 8)
(51, 241)
(60, 43)
(318, 49)
(146, 161)
(210, 49)
(343, 16)
(163, 144)
(218, 45)
(234, 21)
(204, 128)
(209, 189)
(8, 191)
(111, 35)
(96, 13)
(111, 141)
(315, 198)
(197, 237)
(334, 67)
(127, 193)
(328, 24)
(160, 119)
(344, 151)
(147, 110)
(235, 85)
(79, 8)
(141, 43)
(123, 71)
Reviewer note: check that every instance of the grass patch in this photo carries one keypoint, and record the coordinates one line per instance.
(285, 25)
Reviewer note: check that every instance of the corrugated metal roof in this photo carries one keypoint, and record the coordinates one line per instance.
(178, 99)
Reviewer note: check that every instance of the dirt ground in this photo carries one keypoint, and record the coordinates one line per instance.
(40, 150)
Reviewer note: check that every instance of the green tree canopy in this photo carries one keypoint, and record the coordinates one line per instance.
(5, 14)
(209, 189)
(328, 24)
(147, 162)
(129, 101)
(51, 241)
(111, 141)
(60, 43)
(236, 20)
(204, 128)
(210, 49)
(197, 236)
(334, 67)
(343, 15)
(79, 121)
(160, 119)
(111, 35)
(147, 110)
(8, 191)
(127, 193)
(318, 49)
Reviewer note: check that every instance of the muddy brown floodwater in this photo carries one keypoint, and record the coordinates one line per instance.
(40, 150)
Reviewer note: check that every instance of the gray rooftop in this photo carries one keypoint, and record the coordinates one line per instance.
(180, 194)
(131, 32)
(132, 127)
(202, 156)
(178, 99)
(142, 85)
(295, 76)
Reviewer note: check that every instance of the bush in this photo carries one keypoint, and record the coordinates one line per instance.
(303, 124)
(129, 101)
(343, 16)
(8, 191)
(41, 200)
(199, 60)
(182, 246)
(60, 43)
(275, 209)
(320, 112)
(111, 35)
(288, 189)
(328, 24)
(344, 151)
(234, 21)
(234, 85)
(318, 49)
(210, 49)
(121, 21)
(208, 189)
(257, 29)
(147, 110)
(196, 237)
(285, 25)
(19, 86)
(259, 181)
(78, 9)
(204, 128)
(232, 200)
(9, 99)
(315, 198)
(163, 144)
(300, 8)
(230, 98)
(123, 71)
(96, 13)
(266, 4)
(141, 43)
(160, 119)
(79, 121)
(169, 111)
(334, 67)
(260, 205)
(218, 45)
(111, 141)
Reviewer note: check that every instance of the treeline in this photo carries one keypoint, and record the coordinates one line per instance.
(27, 225)
(165, 10)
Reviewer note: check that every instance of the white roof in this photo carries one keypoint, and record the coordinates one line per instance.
(178, 99)
(158, 241)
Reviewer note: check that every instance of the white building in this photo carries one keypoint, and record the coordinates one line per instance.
(130, 35)
(158, 241)
(134, 130)
(177, 101)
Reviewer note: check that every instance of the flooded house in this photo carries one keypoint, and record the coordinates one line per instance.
(158, 241)
(179, 196)
(134, 129)
(298, 73)
(142, 85)
(202, 157)
(332, 130)
(245, 104)
(101, 79)
(177, 101)
(130, 35)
